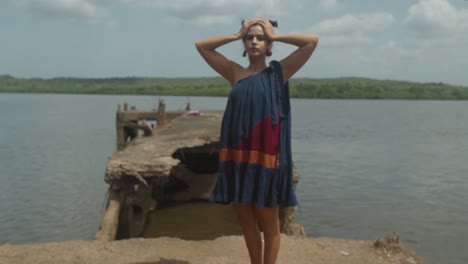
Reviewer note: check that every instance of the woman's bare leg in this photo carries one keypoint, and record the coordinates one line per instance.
(269, 221)
(248, 221)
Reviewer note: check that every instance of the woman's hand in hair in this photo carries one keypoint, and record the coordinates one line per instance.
(267, 29)
(246, 24)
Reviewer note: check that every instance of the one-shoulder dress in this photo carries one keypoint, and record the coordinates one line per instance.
(255, 159)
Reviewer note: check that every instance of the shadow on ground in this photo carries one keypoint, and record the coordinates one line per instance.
(164, 261)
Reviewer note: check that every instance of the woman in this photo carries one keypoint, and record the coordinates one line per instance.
(255, 170)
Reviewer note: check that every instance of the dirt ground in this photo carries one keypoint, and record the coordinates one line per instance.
(223, 250)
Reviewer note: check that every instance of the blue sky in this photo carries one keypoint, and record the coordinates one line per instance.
(421, 40)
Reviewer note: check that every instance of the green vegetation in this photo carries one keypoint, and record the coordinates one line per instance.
(342, 88)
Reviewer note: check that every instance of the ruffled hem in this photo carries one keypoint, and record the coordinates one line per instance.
(257, 185)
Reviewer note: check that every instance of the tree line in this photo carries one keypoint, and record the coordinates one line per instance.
(330, 88)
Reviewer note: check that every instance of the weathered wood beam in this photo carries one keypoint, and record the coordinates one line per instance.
(110, 220)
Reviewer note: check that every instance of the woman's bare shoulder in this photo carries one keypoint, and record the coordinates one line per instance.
(238, 73)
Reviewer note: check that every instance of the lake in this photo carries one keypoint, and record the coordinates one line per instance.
(367, 167)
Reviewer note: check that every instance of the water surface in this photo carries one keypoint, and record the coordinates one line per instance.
(367, 168)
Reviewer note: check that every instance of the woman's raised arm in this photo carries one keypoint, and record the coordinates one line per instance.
(217, 61)
(293, 62)
(207, 49)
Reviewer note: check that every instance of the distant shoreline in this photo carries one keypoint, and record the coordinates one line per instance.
(333, 88)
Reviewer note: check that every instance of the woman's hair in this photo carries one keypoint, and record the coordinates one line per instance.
(274, 23)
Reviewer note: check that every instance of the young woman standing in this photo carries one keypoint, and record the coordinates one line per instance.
(255, 169)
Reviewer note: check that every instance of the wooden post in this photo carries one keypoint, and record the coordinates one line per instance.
(187, 107)
(162, 113)
(120, 129)
(110, 220)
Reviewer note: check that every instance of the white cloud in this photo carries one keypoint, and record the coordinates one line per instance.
(76, 9)
(218, 11)
(427, 44)
(328, 5)
(433, 28)
(352, 29)
(395, 50)
(202, 20)
(436, 18)
(203, 12)
(373, 22)
(355, 39)
(112, 24)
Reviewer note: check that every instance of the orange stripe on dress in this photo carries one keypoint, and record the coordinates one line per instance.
(252, 156)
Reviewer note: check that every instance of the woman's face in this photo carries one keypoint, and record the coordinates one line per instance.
(255, 42)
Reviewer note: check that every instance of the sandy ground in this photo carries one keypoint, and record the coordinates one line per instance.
(223, 250)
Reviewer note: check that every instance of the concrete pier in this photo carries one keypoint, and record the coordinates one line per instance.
(164, 157)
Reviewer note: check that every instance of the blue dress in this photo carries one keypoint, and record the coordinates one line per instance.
(255, 160)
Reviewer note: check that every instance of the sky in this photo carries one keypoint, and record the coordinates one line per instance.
(411, 40)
